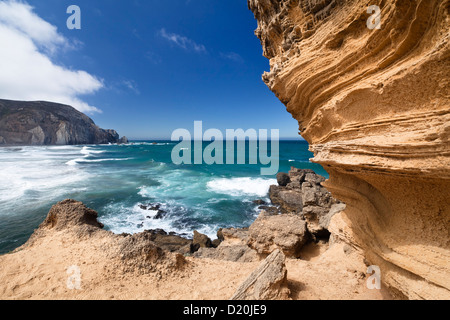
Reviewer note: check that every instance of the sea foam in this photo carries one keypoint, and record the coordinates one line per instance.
(238, 186)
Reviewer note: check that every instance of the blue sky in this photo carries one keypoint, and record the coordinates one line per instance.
(149, 66)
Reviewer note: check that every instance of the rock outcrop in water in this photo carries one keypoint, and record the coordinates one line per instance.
(374, 106)
(47, 123)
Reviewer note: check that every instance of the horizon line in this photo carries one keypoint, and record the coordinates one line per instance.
(168, 139)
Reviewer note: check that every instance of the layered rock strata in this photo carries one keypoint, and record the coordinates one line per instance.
(374, 106)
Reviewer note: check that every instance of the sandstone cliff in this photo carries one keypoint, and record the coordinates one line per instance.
(46, 123)
(374, 106)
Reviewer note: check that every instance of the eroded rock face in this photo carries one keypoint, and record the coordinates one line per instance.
(46, 123)
(70, 213)
(374, 106)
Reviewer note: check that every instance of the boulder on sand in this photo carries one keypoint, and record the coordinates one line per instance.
(286, 232)
(267, 282)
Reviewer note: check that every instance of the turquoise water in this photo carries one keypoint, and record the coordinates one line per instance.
(116, 179)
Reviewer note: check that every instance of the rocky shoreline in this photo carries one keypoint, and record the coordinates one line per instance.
(287, 253)
(299, 213)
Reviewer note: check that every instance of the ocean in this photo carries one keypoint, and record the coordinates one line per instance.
(119, 181)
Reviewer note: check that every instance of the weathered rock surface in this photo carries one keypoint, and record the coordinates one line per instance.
(201, 240)
(305, 196)
(170, 242)
(126, 267)
(142, 252)
(139, 253)
(47, 123)
(267, 282)
(374, 107)
(234, 252)
(283, 179)
(301, 211)
(234, 235)
(70, 213)
(286, 232)
(233, 247)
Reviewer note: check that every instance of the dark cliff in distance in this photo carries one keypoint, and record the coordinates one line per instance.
(47, 123)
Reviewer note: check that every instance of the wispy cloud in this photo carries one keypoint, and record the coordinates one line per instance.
(28, 47)
(131, 85)
(233, 56)
(123, 86)
(182, 41)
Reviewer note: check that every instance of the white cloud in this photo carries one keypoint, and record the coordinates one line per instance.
(27, 71)
(182, 42)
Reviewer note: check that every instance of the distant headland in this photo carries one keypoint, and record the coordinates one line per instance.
(46, 123)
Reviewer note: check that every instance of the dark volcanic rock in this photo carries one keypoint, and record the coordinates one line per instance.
(169, 242)
(283, 179)
(202, 240)
(304, 195)
(47, 123)
(154, 207)
(123, 140)
(259, 202)
(270, 210)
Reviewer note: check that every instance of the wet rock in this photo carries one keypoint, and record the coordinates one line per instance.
(154, 207)
(259, 202)
(160, 215)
